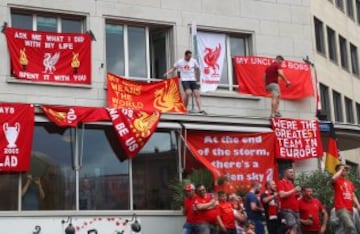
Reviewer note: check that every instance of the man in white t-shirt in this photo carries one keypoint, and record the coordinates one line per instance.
(189, 73)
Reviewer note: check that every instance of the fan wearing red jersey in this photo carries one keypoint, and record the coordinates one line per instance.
(310, 209)
(189, 225)
(289, 204)
(344, 197)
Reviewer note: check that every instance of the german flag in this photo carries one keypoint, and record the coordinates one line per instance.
(332, 153)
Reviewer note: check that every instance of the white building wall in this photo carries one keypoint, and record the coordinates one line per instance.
(277, 27)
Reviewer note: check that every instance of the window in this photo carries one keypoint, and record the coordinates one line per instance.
(350, 8)
(331, 44)
(9, 186)
(343, 53)
(340, 4)
(153, 170)
(349, 110)
(319, 36)
(104, 178)
(354, 60)
(325, 101)
(357, 3)
(237, 44)
(338, 109)
(137, 51)
(358, 112)
(40, 21)
(50, 182)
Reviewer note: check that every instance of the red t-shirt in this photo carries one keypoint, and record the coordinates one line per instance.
(271, 73)
(189, 210)
(226, 214)
(313, 208)
(344, 190)
(202, 216)
(290, 202)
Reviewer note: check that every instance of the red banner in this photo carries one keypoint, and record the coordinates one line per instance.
(163, 96)
(17, 124)
(250, 75)
(49, 57)
(297, 139)
(133, 128)
(242, 158)
(71, 116)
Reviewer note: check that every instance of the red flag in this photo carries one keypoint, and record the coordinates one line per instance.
(50, 57)
(17, 124)
(162, 96)
(70, 116)
(133, 128)
(243, 158)
(250, 75)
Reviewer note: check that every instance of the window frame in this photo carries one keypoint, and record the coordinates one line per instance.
(332, 44)
(338, 107)
(248, 38)
(319, 36)
(344, 53)
(163, 126)
(349, 110)
(147, 26)
(350, 12)
(354, 70)
(325, 100)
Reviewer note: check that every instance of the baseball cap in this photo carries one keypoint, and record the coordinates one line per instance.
(189, 187)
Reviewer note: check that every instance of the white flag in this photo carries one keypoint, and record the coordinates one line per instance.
(211, 49)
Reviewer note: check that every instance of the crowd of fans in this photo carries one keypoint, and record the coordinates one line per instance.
(280, 208)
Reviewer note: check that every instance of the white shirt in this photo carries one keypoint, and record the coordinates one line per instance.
(187, 69)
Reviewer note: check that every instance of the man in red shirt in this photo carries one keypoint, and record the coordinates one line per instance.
(270, 203)
(288, 201)
(344, 197)
(226, 215)
(205, 211)
(310, 209)
(189, 226)
(272, 73)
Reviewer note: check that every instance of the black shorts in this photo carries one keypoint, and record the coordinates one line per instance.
(190, 85)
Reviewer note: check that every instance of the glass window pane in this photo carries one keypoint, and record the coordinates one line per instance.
(22, 21)
(115, 62)
(137, 52)
(158, 52)
(237, 47)
(50, 182)
(71, 26)
(153, 169)
(46, 24)
(104, 179)
(9, 191)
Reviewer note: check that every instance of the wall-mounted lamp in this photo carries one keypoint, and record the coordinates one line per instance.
(135, 226)
(70, 228)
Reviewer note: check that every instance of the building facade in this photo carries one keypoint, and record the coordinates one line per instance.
(80, 174)
(336, 57)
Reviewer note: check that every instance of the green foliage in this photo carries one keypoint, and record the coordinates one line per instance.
(320, 182)
(201, 176)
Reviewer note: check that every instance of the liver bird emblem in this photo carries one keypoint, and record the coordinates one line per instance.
(210, 58)
(144, 123)
(49, 62)
(168, 98)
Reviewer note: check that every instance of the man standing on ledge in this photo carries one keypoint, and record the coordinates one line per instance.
(189, 74)
(272, 73)
(344, 198)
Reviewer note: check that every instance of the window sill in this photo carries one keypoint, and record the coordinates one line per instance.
(229, 94)
(12, 80)
(57, 213)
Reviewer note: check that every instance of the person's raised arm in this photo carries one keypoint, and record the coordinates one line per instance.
(267, 199)
(284, 194)
(337, 174)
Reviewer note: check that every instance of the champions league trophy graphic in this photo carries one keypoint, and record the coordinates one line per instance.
(11, 134)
